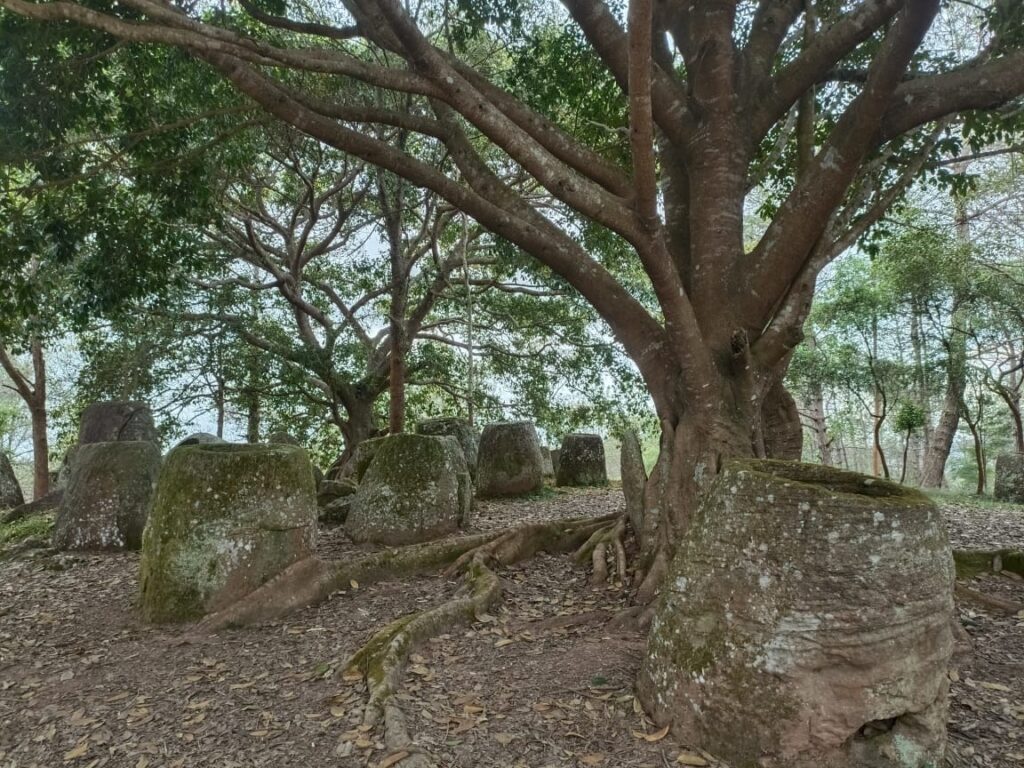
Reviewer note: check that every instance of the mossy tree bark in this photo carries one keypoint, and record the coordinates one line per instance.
(741, 411)
(32, 391)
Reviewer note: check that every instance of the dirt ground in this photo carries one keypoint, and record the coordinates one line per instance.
(540, 683)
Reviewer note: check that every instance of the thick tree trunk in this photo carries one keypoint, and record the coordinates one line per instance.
(741, 419)
(782, 432)
(360, 424)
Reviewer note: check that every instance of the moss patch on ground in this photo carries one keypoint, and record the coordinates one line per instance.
(19, 530)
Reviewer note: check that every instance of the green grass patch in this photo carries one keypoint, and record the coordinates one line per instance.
(19, 530)
(969, 500)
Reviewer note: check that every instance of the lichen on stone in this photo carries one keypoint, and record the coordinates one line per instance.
(792, 617)
(226, 518)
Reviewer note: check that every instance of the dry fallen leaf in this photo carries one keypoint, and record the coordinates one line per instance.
(393, 759)
(595, 758)
(504, 738)
(995, 686)
(503, 643)
(688, 758)
(652, 737)
(78, 751)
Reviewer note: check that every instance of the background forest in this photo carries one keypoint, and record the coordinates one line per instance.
(167, 242)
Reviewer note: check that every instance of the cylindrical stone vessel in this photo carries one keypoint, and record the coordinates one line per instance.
(112, 420)
(226, 519)
(10, 490)
(581, 461)
(1009, 484)
(463, 432)
(414, 488)
(510, 462)
(806, 622)
(108, 496)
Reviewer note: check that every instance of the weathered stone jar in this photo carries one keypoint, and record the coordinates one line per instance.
(510, 463)
(10, 491)
(108, 496)
(463, 432)
(226, 518)
(413, 488)
(581, 461)
(1009, 485)
(805, 622)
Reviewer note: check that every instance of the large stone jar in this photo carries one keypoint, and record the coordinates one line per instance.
(581, 461)
(226, 519)
(510, 462)
(114, 420)
(1009, 484)
(108, 496)
(413, 488)
(806, 623)
(10, 490)
(460, 429)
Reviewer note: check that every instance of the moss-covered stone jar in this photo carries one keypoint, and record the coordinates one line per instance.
(412, 488)
(226, 518)
(582, 461)
(806, 622)
(510, 461)
(1009, 484)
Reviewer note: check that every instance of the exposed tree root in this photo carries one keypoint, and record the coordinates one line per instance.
(47, 503)
(524, 542)
(652, 580)
(382, 660)
(313, 580)
(596, 548)
(1011, 607)
(32, 542)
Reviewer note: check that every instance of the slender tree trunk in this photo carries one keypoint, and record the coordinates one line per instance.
(815, 407)
(879, 453)
(956, 377)
(392, 203)
(906, 453)
(40, 439)
(218, 400)
(974, 424)
(945, 430)
(252, 416)
(470, 328)
(1012, 401)
(979, 457)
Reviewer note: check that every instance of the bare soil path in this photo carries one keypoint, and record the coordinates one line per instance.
(543, 682)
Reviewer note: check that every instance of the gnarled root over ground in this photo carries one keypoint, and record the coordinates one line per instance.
(381, 661)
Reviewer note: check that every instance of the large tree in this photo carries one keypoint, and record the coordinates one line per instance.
(856, 96)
